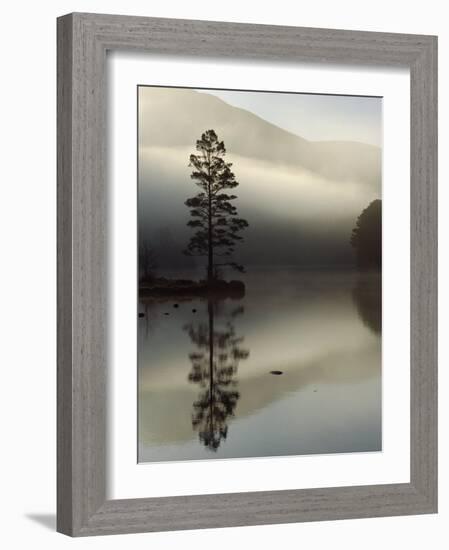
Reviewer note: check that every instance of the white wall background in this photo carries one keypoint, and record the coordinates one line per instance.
(27, 288)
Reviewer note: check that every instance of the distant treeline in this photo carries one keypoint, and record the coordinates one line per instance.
(366, 236)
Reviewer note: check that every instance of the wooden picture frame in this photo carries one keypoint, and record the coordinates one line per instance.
(83, 40)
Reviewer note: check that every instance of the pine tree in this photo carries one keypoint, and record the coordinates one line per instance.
(214, 216)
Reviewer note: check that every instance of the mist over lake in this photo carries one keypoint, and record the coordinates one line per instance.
(327, 400)
(303, 196)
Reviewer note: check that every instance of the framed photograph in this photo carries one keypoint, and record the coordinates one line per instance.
(247, 282)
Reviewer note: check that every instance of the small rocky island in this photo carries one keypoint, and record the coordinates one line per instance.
(161, 286)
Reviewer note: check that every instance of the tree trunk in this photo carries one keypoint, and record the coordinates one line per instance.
(210, 251)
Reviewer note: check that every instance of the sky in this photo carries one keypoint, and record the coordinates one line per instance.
(314, 117)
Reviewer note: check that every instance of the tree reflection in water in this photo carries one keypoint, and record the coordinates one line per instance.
(214, 368)
(367, 296)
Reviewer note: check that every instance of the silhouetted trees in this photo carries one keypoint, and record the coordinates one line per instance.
(366, 236)
(214, 367)
(147, 261)
(214, 216)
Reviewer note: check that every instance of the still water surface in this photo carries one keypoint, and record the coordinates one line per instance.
(206, 388)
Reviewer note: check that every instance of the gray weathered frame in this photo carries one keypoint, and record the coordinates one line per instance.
(83, 40)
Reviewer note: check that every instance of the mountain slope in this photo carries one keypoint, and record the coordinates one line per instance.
(171, 117)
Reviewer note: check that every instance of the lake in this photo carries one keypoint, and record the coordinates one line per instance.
(292, 368)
